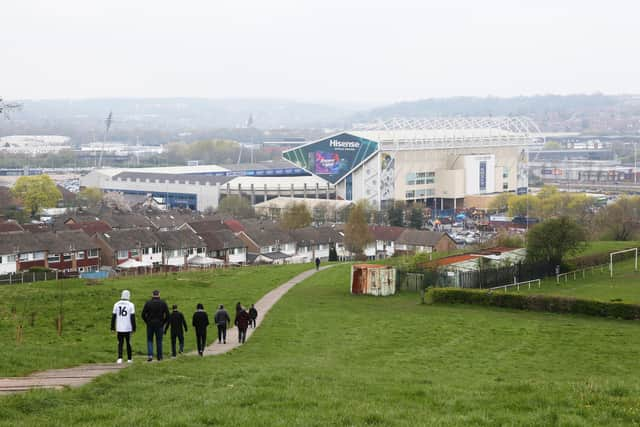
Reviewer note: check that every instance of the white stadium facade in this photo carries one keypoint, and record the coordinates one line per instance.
(438, 162)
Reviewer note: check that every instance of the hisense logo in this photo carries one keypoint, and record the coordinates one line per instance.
(334, 143)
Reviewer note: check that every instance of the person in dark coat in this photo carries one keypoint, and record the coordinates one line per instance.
(253, 315)
(317, 264)
(156, 315)
(222, 320)
(242, 322)
(200, 322)
(178, 327)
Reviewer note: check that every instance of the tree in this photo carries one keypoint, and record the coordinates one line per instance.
(416, 218)
(296, 215)
(36, 192)
(552, 240)
(500, 203)
(524, 205)
(236, 207)
(620, 220)
(116, 200)
(90, 196)
(356, 230)
(395, 214)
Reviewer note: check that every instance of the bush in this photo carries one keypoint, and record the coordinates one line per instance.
(40, 270)
(548, 303)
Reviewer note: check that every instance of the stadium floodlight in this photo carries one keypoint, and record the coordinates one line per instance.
(622, 252)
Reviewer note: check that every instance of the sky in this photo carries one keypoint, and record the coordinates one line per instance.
(321, 51)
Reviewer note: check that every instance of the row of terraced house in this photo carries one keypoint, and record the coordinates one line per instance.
(84, 243)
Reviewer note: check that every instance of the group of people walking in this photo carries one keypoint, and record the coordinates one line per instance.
(159, 321)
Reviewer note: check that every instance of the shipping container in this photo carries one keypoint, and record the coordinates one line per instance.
(373, 279)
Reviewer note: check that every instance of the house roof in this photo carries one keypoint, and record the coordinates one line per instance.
(180, 239)
(18, 241)
(420, 237)
(7, 226)
(234, 225)
(53, 242)
(173, 219)
(207, 225)
(385, 233)
(129, 239)
(90, 227)
(222, 239)
(266, 233)
(36, 227)
(317, 235)
(67, 241)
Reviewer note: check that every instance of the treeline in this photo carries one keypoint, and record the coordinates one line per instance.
(619, 220)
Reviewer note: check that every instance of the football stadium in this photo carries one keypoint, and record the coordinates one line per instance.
(440, 162)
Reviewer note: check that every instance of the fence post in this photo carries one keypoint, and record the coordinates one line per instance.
(33, 277)
(9, 278)
(23, 277)
(45, 276)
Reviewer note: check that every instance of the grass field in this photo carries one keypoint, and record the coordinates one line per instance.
(87, 312)
(596, 284)
(324, 357)
(606, 246)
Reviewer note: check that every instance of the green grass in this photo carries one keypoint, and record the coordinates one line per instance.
(324, 357)
(596, 284)
(87, 312)
(605, 247)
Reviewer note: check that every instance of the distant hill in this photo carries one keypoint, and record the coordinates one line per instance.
(579, 113)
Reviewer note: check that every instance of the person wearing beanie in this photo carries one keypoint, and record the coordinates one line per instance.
(123, 322)
(200, 322)
(178, 326)
(156, 315)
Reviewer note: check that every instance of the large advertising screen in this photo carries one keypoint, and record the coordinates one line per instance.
(332, 158)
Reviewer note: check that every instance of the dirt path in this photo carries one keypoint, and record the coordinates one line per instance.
(80, 375)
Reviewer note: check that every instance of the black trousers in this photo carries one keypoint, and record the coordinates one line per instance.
(201, 339)
(122, 337)
(242, 335)
(180, 338)
(222, 332)
(252, 323)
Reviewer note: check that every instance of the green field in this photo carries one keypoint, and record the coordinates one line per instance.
(606, 246)
(596, 284)
(87, 312)
(324, 357)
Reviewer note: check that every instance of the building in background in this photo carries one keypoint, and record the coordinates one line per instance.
(438, 162)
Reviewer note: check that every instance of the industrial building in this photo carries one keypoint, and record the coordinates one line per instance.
(201, 187)
(438, 162)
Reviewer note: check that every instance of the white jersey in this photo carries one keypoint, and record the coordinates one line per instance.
(123, 310)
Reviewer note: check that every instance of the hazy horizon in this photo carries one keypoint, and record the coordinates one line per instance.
(359, 52)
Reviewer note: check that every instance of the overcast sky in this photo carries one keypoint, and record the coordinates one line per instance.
(329, 50)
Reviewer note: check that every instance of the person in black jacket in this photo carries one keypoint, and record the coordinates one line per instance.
(222, 319)
(317, 264)
(253, 315)
(178, 326)
(155, 314)
(200, 322)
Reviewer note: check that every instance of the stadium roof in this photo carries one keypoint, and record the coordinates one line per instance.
(453, 132)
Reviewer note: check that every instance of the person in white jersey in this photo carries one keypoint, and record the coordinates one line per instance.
(123, 321)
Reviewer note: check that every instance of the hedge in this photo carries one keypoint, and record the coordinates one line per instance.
(549, 303)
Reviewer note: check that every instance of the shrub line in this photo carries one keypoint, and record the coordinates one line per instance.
(545, 303)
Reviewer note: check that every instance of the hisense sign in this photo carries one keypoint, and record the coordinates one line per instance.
(334, 143)
(332, 158)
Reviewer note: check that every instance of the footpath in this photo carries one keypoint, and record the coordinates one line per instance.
(80, 375)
